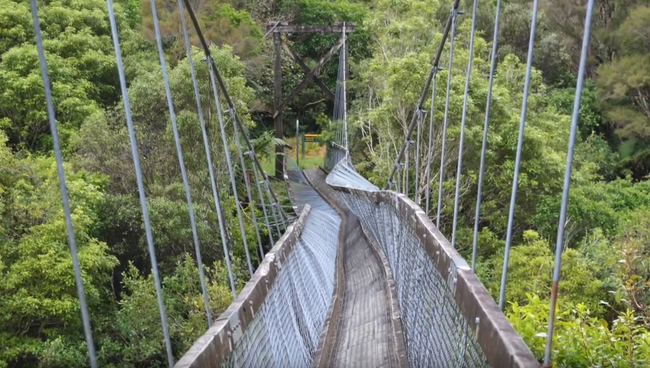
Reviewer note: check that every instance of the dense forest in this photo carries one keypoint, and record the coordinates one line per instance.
(604, 294)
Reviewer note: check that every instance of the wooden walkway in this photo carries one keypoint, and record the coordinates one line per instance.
(365, 333)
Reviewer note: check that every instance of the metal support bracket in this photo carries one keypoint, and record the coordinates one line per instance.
(452, 279)
(235, 328)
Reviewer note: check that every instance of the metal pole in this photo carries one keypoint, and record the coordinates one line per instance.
(520, 142)
(297, 142)
(567, 182)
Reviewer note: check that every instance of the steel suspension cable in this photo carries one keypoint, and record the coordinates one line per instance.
(179, 150)
(567, 182)
(463, 122)
(262, 200)
(424, 94)
(247, 183)
(418, 136)
(409, 142)
(213, 184)
(454, 18)
(344, 92)
(430, 140)
(274, 202)
(520, 142)
(140, 183)
(85, 316)
(231, 173)
(488, 105)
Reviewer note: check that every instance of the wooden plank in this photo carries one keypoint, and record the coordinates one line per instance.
(304, 82)
(285, 27)
(319, 82)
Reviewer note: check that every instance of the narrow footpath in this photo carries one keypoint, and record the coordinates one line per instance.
(361, 331)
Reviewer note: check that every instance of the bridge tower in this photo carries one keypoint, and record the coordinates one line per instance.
(278, 28)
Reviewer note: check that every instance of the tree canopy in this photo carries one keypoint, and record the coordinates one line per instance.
(604, 294)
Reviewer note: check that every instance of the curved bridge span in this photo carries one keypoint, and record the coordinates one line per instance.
(361, 279)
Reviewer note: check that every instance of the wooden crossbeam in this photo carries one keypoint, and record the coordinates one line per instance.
(319, 82)
(285, 27)
(278, 28)
(309, 75)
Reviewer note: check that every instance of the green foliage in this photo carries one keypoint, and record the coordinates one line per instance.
(633, 249)
(606, 256)
(138, 335)
(531, 268)
(220, 22)
(81, 64)
(39, 309)
(580, 339)
(601, 205)
(265, 145)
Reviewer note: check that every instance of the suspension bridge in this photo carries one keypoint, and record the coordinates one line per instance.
(358, 276)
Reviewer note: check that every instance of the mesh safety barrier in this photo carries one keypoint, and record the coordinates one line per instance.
(334, 155)
(435, 330)
(277, 319)
(286, 330)
(448, 318)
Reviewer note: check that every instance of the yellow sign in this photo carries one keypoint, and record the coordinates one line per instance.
(311, 137)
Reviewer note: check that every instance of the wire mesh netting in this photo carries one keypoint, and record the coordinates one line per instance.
(301, 191)
(436, 332)
(286, 330)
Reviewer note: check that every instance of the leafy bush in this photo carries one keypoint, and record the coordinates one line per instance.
(580, 339)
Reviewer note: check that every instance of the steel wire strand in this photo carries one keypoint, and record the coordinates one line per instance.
(140, 184)
(520, 142)
(85, 316)
(213, 185)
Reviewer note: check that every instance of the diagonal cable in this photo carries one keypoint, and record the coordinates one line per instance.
(179, 152)
(424, 94)
(520, 142)
(430, 140)
(446, 118)
(567, 181)
(280, 216)
(247, 183)
(213, 185)
(417, 156)
(231, 174)
(263, 202)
